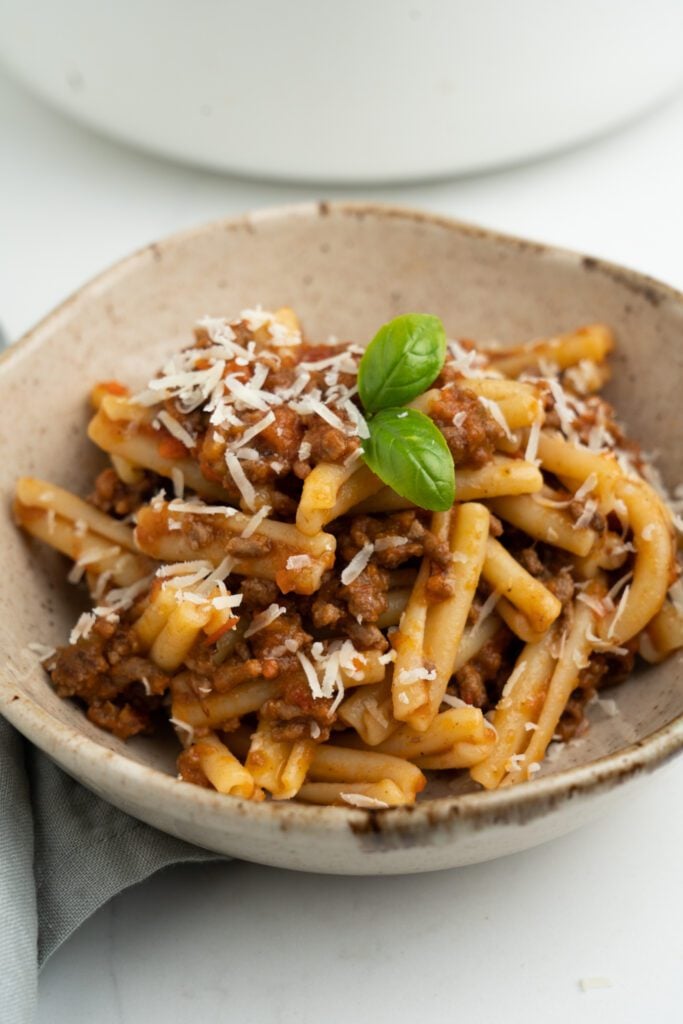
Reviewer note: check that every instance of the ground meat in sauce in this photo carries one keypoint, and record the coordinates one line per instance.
(248, 547)
(257, 593)
(474, 439)
(603, 670)
(340, 607)
(293, 721)
(366, 595)
(280, 641)
(401, 536)
(481, 681)
(117, 499)
(412, 539)
(279, 444)
(552, 567)
(104, 665)
(121, 688)
(329, 444)
(190, 770)
(123, 721)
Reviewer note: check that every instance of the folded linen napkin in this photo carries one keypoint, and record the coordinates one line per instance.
(63, 853)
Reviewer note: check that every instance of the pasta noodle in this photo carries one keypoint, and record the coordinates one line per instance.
(500, 476)
(280, 766)
(539, 606)
(222, 768)
(576, 649)
(446, 619)
(311, 633)
(592, 343)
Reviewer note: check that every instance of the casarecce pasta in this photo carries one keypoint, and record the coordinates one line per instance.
(312, 631)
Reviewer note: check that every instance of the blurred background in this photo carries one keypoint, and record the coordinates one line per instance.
(124, 122)
(559, 121)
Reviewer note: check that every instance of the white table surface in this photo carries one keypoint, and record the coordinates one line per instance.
(505, 941)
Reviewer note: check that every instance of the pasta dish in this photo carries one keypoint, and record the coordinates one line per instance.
(338, 568)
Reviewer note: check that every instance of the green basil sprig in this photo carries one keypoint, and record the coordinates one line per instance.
(402, 360)
(405, 449)
(410, 454)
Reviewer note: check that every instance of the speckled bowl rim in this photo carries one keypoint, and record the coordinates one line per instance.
(86, 758)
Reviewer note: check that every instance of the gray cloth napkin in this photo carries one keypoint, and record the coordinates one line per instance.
(63, 853)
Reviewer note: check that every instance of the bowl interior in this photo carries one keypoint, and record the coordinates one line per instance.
(345, 269)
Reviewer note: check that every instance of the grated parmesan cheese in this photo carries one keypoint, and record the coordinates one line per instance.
(566, 414)
(185, 729)
(243, 485)
(251, 432)
(454, 702)
(390, 541)
(594, 603)
(309, 405)
(486, 609)
(619, 612)
(366, 803)
(225, 601)
(584, 520)
(339, 698)
(531, 450)
(120, 598)
(589, 484)
(264, 618)
(196, 507)
(101, 585)
(513, 678)
(81, 630)
(311, 675)
(298, 562)
(176, 429)
(497, 414)
(250, 395)
(184, 568)
(609, 706)
(413, 675)
(357, 418)
(256, 520)
(357, 564)
(86, 621)
(247, 454)
(178, 479)
(75, 573)
(613, 591)
(97, 554)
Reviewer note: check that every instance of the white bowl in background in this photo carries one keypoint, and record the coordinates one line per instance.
(350, 92)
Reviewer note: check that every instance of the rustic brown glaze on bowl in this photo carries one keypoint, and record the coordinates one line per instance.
(345, 268)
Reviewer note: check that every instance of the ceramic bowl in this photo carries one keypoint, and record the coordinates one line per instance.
(345, 268)
(347, 91)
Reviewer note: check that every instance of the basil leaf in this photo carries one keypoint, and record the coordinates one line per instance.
(408, 452)
(402, 360)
